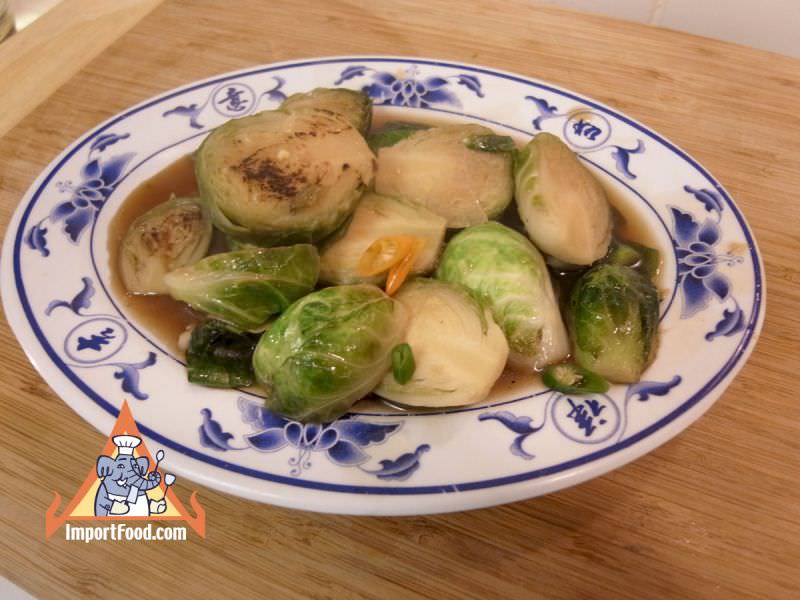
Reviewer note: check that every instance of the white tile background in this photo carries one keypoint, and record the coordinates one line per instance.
(767, 24)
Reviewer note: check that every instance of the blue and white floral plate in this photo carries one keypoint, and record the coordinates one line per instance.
(518, 444)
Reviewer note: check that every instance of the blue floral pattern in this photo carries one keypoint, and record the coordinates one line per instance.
(36, 239)
(81, 300)
(699, 276)
(522, 426)
(545, 110)
(409, 89)
(622, 157)
(402, 467)
(342, 441)
(581, 419)
(732, 322)
(227, 99)
(577, 128)
(128, 375)
(642, 391)
(99, 177)
(213, 436)
(127, 372)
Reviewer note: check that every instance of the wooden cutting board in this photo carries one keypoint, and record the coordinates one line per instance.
(714, 513)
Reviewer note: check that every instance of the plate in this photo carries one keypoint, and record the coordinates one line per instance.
(522, 442)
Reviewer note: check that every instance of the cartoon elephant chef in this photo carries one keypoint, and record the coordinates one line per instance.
(125, 481)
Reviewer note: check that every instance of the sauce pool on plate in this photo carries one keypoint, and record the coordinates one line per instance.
(165, 317)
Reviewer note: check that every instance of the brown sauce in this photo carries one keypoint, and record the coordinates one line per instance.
(166, 318)
(512, 383)
(630, 225)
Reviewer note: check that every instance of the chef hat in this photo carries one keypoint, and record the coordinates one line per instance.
(125, 443)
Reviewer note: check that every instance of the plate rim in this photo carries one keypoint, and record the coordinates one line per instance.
(587, 466)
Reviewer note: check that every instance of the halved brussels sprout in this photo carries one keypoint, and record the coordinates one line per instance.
(330, 349)
(564, 207)
(280, 178)
(506, 273)
(170, 235)
(380, 217)
(436, 168)
(613, 319)
(458, 349)
(353, 105)
(246, 287)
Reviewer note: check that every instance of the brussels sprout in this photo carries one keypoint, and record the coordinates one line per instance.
(328, 350)
(507, 274)
(220, 356)
(564, 208)
(379, 217)
(391, 133)
(458, 349)
(437, 169)
(355, 106)
(280, 178)
(170, 235)
(246, 287)
(613, 319)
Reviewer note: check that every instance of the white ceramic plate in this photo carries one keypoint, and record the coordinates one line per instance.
(518, 444)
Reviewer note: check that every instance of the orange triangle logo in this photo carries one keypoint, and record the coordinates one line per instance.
(119, 486)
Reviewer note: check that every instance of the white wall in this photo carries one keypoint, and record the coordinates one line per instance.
(767, 24)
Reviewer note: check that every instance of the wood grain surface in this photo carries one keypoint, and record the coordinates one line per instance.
(37, 61)
(715, 513)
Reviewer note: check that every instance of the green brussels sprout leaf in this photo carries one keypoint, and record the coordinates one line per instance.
(247, 287)
(220, 355)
